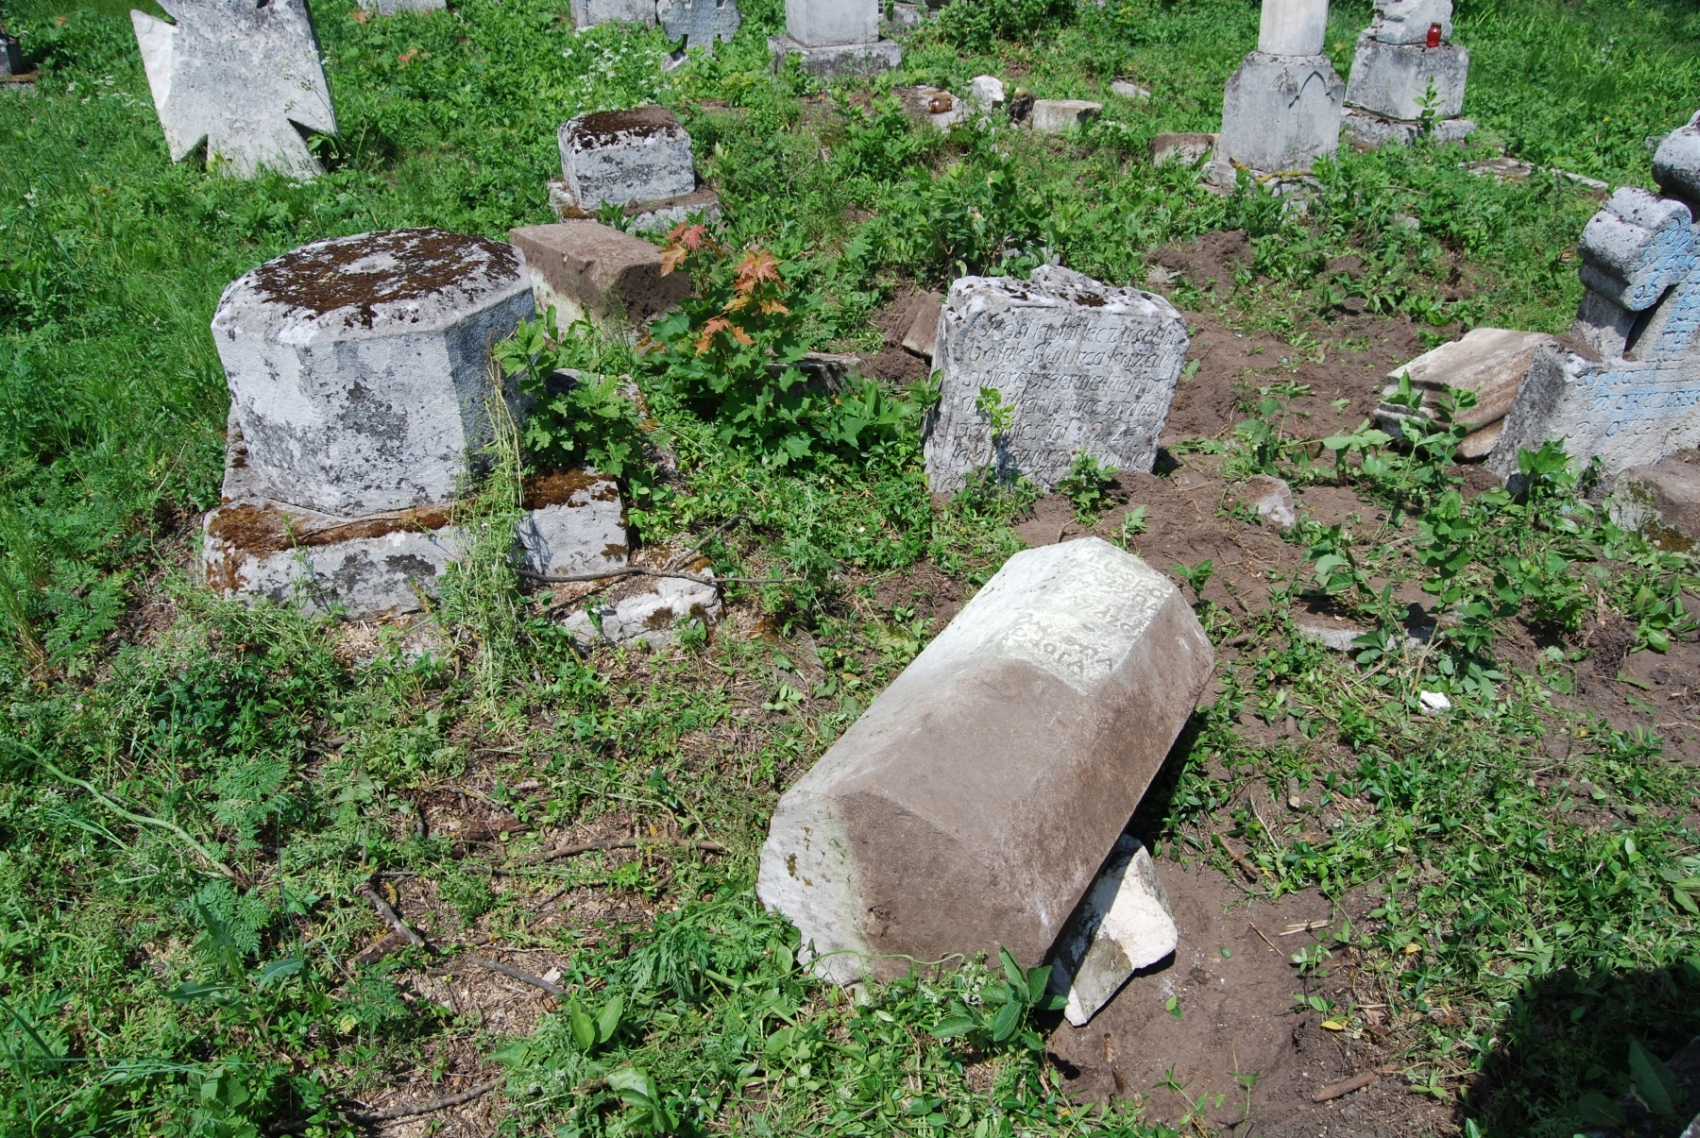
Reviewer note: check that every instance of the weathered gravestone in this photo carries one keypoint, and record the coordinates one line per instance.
(1082, 366)
(1406, 68)
(590, 13)
(241, 79)
(1635, 398)
(1282, 109)
(835, 37)
(359, 372)
(638, 159)
(698, 23)
(974, 803)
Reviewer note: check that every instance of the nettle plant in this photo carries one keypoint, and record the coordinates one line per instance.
(731, 352)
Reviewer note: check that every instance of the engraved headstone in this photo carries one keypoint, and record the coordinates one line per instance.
(1081, 365)
(1282, 108)
(972, 806)
(834, 38)
(240, 78)
(1408, 76)
(1634, 399)
(698, 23)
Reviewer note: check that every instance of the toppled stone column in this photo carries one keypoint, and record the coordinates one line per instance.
(1282, 109)
(1633, 398)
(584, 269)
(1405, 59)
(1081, 366)
(835, 38)
(359, 372)
(972, 806)
(240, 78)
(638, 159)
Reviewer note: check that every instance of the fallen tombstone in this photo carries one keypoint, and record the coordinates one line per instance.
(1408, 77)
(637, 159)
(1187, 148)
(1058, 116)
(650, 612)
(1127, 89)
(1661, 500)
(587, 270)
(359, 378)
(1124, 925)
(698, 23)
(1632, 396)
(240, 78)
(974, 803)
(932, 105)
(1489, 362)
(1080, 366)
(835, 38)
(1282, 109)
(590, 13)
(921, 335)
(1270, 498)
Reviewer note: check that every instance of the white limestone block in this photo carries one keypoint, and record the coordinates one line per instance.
(1124, 925)
(828, 23)
(1409, 21)
(1058, 116)
(1293, 27)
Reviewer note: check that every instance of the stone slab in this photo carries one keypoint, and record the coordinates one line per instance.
(587, 269)
(1409, 21)
(1661, 500)
(974, 803)
(259, 549)
(986, 92)
(1124, 924)
(1084, 365)
(647, 217)
(1126, 89)
(1293, 27)
(651, 615)
(590, 13)
(1281, 113)
(699, 23)
(1270, 498)
(1187, 147)
(1366, 130)
(241, 79)
(1676, 164)
(1393, 79)
(1058, 116)
(1488, 361)
(830, 23)
(359, 367)
(1624, 412)
(836, 61)
(921, 337)
(640, 155)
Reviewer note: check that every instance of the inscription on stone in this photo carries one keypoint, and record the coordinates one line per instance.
(1081, 365)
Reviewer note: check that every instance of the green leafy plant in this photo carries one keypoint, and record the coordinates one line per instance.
(1087, 487)
(1015, 996)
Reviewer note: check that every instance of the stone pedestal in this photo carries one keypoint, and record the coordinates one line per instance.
(639, 160)
(584, 269)
(835, 38)
(1403, 58)
(1281, 113)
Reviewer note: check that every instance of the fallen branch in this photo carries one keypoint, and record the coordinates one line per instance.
(461, 1099)
(611, 844)
(1245, 866)
(400, 926)
(644, 571)
(1341, 1090)
(513, 973)
(1265, 939)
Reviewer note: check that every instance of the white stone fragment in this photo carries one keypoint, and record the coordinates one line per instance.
(974, 803)
(1057, 116)
(392, 7)
(1085, 367)
(986, 92)
(1434, 703)
(240, 78)
(651, 616)
(1270, 498)
(1124, 89)
(1124, 925)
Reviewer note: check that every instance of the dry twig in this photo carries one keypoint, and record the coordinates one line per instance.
(1341, 1090)
(513, 973)
(612, 844)
(415, 1110)
(390, 918)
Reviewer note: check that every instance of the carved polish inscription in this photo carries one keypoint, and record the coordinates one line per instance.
(1079, 366)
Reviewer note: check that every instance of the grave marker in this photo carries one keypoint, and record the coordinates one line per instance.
(834, 38)
(240, 78)
(639, 159)
(698, 23)
(1282, 108)
(1406, 54)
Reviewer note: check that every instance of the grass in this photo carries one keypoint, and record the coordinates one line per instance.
(191, 793)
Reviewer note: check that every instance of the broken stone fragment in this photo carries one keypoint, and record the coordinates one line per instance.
(986, 92)
(1662, 501)
(583, 268)
(921, 335)
(1676, 165)
(1124, 925)
(699, 23)
(974, 803)
(359, 367)
(1270, 498)
(1081, 365)
(391, 7)
(650, 613)
(932, 105)
(1057, 116)
(241, 78)
(1124, 89)
(1490, 362)
(640, 155)
(1186, 148)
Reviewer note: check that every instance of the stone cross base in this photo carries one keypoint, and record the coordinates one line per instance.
(660, 216)
(836, 60)
(1282, 112)
(1367, 130)
(1393, 79)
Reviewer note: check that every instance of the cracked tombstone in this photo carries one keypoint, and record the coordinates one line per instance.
(241, 79)
(1080, 365)
(360, 400)
(698, 23)
(1282, 109)
(1405, 59)
(974, 804)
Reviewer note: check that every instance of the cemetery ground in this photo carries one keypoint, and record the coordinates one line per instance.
(1485, 918)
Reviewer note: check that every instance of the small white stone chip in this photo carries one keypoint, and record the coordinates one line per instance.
(1434, 703)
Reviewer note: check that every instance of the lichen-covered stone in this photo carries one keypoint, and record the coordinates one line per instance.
(974, 803)
(359, 367)
(1394, 79)
(1084, 366)
(698, 23)
(239, 77)
(640, 155)
(839, 60)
